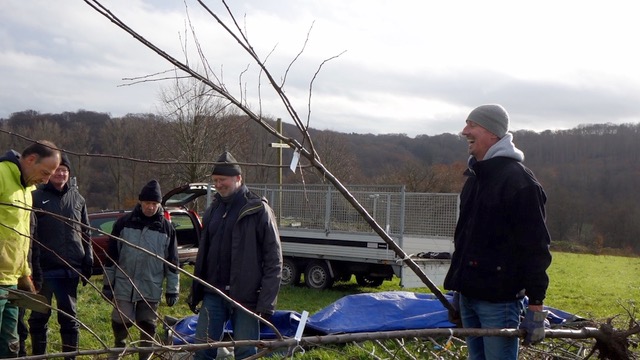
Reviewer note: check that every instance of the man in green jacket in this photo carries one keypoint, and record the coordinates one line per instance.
(19, 173)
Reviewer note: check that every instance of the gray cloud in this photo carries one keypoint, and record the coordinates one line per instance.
(64, 57)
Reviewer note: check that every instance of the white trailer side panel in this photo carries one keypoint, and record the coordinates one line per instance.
(336, 246)
(414, 245)
(436, 270)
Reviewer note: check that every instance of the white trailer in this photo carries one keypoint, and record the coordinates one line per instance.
(325, 239)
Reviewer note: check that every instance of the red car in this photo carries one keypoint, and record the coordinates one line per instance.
(178, 207)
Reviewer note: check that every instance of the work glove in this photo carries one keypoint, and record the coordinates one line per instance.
(25, 284)
(193, 306)
(265, 316)
(533, 324)
(107, 292)
(171, 299)
(454, 315)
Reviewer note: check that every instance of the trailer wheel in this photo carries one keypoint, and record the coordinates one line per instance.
(317, 275)
(370, 281)
(290, 273)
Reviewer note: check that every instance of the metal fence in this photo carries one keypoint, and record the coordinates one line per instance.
(322, 207)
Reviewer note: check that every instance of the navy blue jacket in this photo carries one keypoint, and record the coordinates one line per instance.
(62, 241)
(501, 239)
(255, 254)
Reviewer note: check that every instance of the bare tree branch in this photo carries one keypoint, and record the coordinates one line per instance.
(310, 155)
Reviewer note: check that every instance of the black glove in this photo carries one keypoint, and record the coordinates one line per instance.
(454, 315)
(171, 299)
(107, 292)
(265, 316)
(534, 325)
(193, 306)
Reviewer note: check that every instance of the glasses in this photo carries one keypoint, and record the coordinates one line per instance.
(62, 170)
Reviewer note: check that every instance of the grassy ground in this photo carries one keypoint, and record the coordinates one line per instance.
(596, 287)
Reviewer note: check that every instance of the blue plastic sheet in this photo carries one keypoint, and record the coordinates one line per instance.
(285, 321)
(384, 311)
(370, 312)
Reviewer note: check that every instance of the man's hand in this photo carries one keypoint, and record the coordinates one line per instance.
(454, 315)
(534, 325)
(107, 292)
(265, 316)
(171, 299)
(25, 284)
(194, 307)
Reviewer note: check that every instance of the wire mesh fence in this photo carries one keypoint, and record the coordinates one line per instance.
(321, 207)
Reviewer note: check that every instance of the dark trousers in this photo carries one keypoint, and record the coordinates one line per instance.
(65, 290)
(23, 332)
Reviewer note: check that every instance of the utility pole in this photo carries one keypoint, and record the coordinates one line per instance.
(280, 145)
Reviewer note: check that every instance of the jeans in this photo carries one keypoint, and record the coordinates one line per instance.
(484, 314)
(65, 290)
(214, 313)
(9, 339)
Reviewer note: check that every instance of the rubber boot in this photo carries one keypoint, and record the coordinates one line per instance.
(147, 334)
(38, 343)
(69, 343)
(14, 349)
(120, 332)
(23, 333)
(22, 352)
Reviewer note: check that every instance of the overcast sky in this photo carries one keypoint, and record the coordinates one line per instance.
(412, 67)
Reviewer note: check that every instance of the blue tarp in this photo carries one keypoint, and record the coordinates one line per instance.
(383, 311)
(285, 321)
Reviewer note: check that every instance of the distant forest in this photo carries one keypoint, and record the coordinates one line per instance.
(589, 173)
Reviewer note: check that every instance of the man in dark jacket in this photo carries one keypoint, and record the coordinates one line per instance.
(240, 255)
(501, 239)
(133, 278)
(66, 256)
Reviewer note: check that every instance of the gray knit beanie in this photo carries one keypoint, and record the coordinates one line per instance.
(492, 117)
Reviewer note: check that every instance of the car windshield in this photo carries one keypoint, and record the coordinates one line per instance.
(181, 221)
(104, 224)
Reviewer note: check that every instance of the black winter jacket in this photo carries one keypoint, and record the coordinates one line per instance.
(62, 240)
(501, 239)
(256, 255)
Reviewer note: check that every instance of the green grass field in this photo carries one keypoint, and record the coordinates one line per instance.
(595, 287)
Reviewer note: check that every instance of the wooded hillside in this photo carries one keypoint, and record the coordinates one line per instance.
(589, 172)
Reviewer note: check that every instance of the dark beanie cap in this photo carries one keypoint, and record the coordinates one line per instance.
(151, 192)
(64, 160)
(229, 168)
(492, 117)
